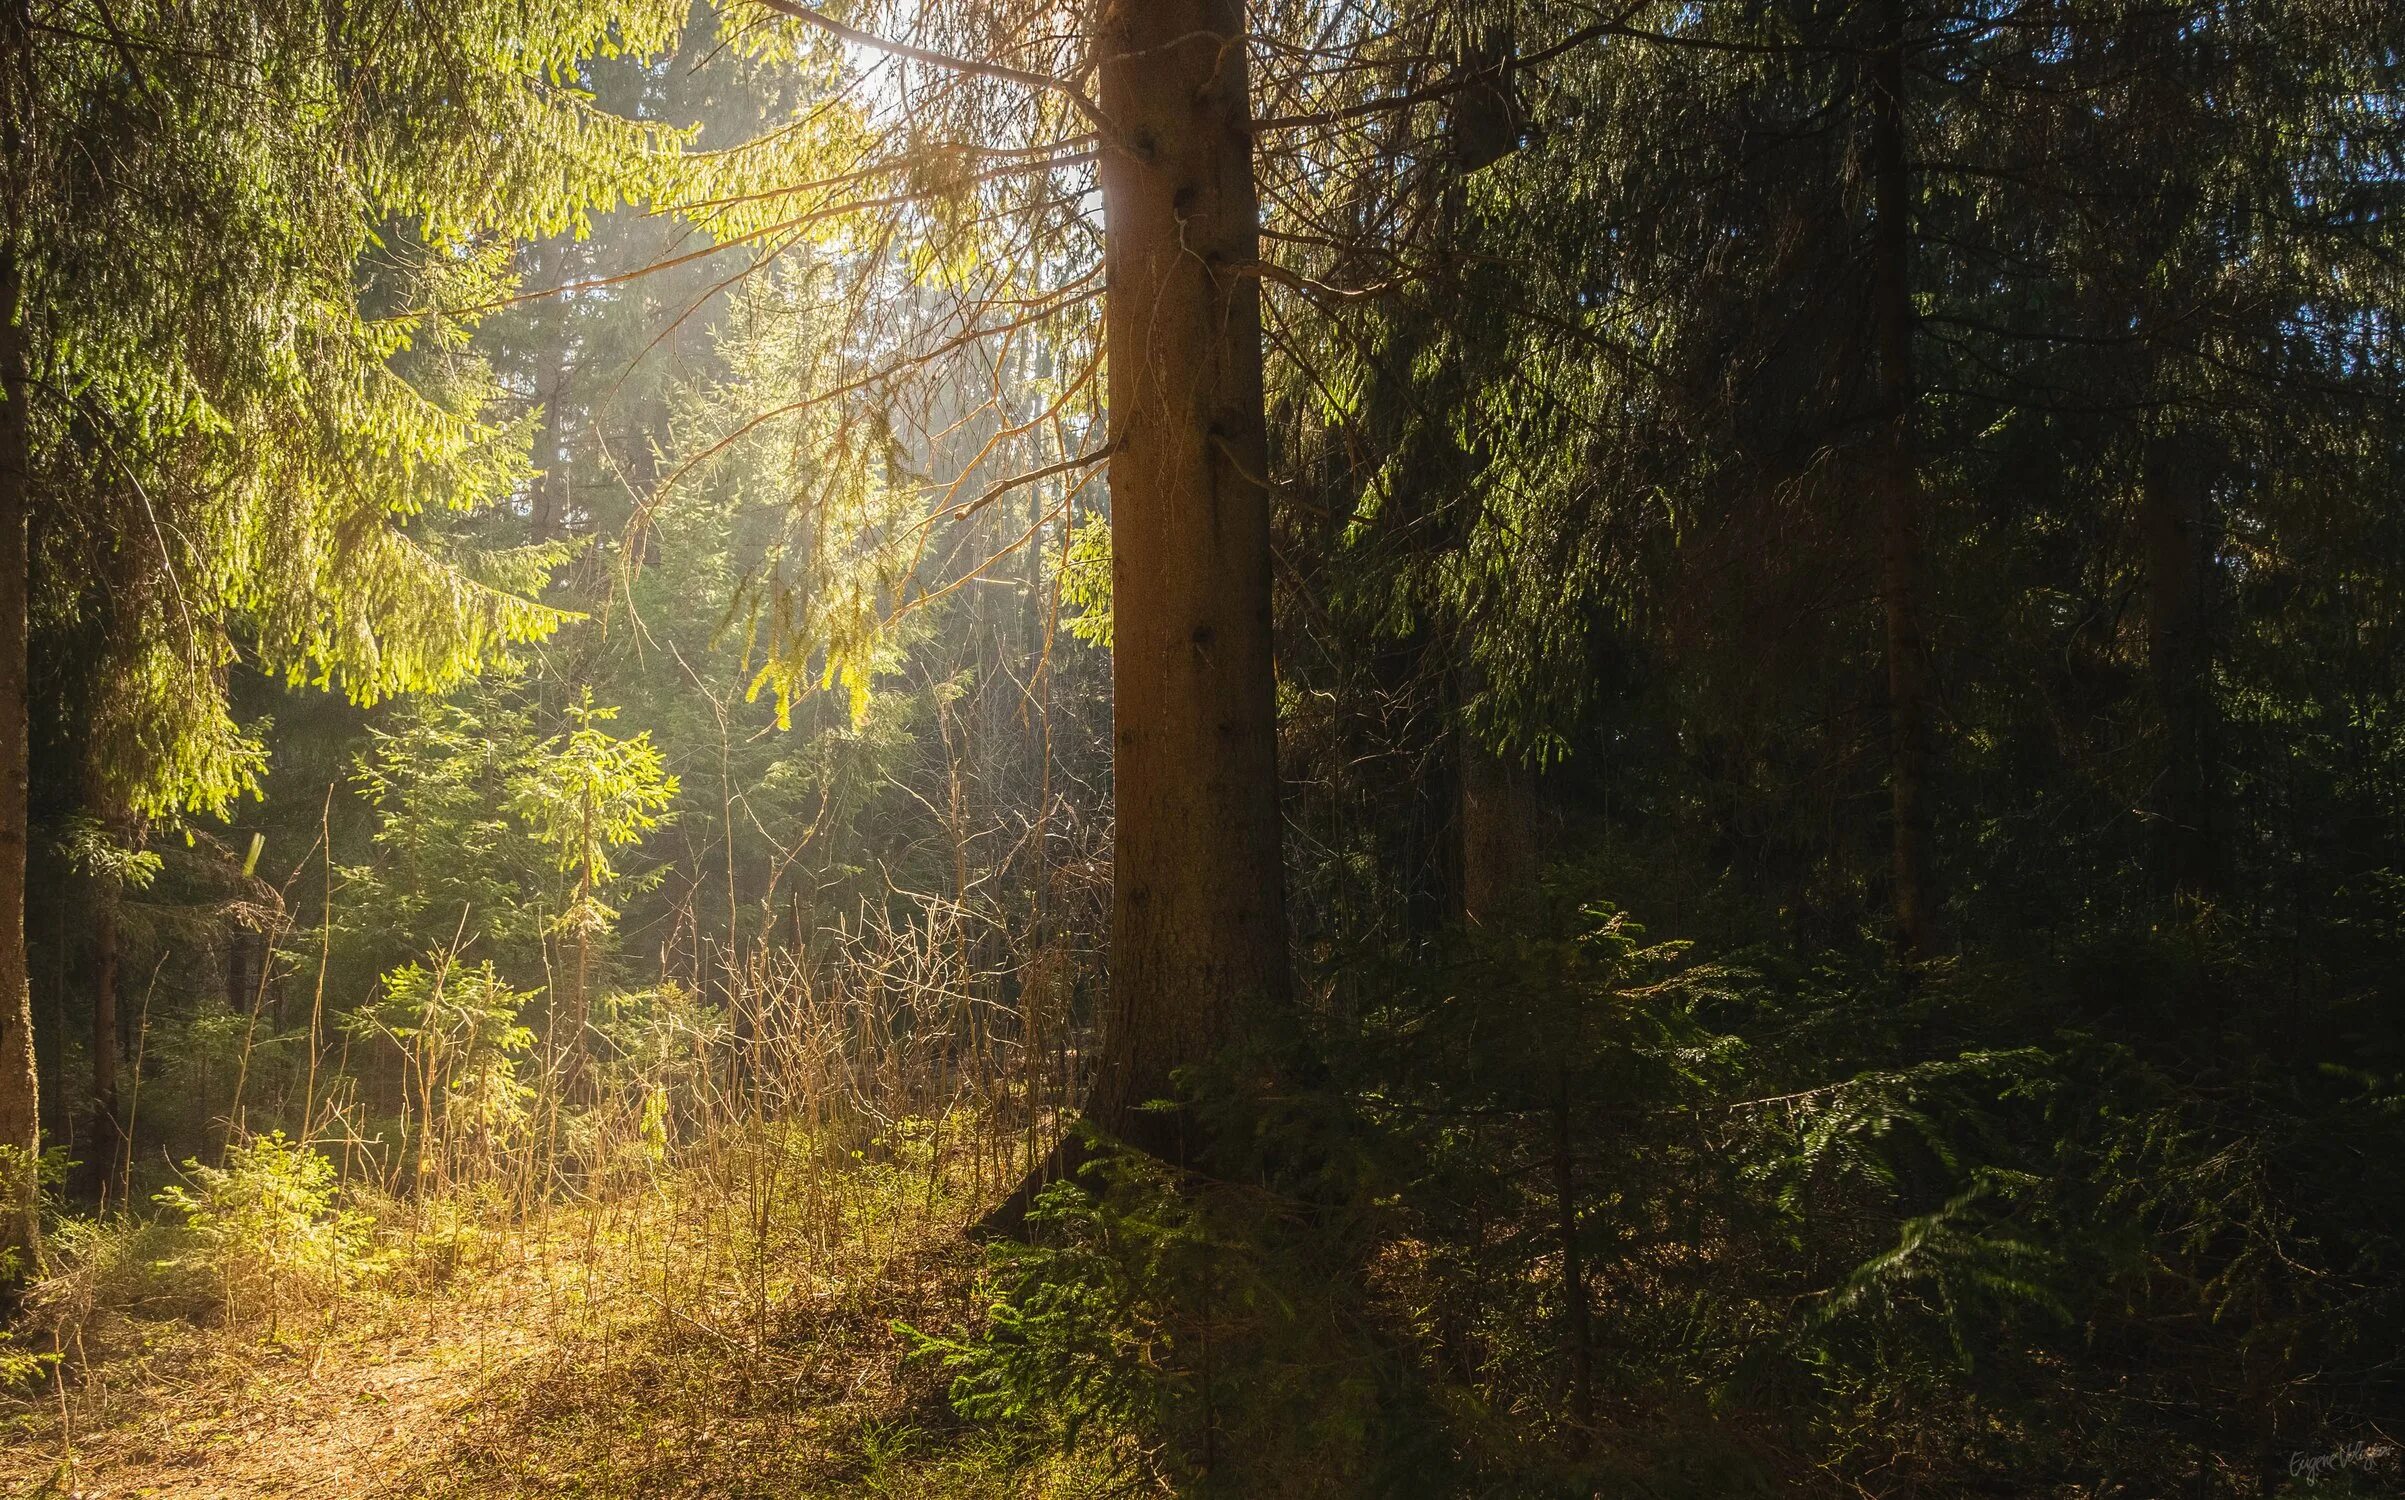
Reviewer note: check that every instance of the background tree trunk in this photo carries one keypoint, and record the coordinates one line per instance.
(237, 968)
(20, 1093)
(1897, 483)
(1198, 923)
(107, 1142)
(549, 502)
(1498, 834)
(2172, 518)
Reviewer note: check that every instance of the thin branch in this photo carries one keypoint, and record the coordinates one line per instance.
(1308, 285)
(1049, 156)
(888, 371)
(1464, 77)
(1003, 487)
(1042, 82)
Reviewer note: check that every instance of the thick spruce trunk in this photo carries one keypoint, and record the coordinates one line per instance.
(1198, 925)
(1896, 479)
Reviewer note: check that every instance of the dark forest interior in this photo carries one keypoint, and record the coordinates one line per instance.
(1424, 748)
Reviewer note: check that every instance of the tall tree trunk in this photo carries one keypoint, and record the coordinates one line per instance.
(580, 999)
(20, 1093)
(1498, 834)
(237, 968)
(550, 497)
(1897, 483)
(107, 1122)
(104, 1149)
(2172, 518)
(1198, 920)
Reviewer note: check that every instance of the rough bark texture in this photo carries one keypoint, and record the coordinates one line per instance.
(1198, 929)
(1498, 836)
(2172, 518)
(1899, 490)
(20, 1094)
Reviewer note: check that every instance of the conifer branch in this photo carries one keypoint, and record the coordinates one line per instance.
(1041, 82)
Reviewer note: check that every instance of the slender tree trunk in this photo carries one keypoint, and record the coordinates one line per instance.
(104, 1149)
(1198, 921)
(2172, 518)
(266, 978)
(550, 497)
(1897, 481)
(50, 1029)
(20, 1094)
(106, 1119)
(237, 970)
(580, 1003)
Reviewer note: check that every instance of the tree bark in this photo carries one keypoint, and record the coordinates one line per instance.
(237, 968)
(1198, 921)
(1498, 835)
(107, 1123)
(2172, 518)
(20, 1093)
(580, 1000)
(1897, 483)
(549, 502)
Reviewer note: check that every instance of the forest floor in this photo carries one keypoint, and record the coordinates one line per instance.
(640, 1349)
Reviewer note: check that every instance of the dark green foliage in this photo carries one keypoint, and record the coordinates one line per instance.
(1830, 1231)
(1667, 1181)
(1200, 1331)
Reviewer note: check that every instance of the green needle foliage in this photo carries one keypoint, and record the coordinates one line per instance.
(586, 793)
(592, 524)
(254, 430)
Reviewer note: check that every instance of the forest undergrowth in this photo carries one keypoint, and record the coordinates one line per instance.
(721, 1328)
(1842, 1241)
(1660, 749)
(675, 1268)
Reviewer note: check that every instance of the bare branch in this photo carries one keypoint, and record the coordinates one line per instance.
(1462, 78)
(1042, 82)
(1003, 487)
(1308, 285)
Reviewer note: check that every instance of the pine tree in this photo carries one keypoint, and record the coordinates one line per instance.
(216, 445)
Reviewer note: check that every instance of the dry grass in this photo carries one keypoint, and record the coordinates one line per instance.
(683, 1281)
(726, 1330)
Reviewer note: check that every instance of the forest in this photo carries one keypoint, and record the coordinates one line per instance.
(1105, 748)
